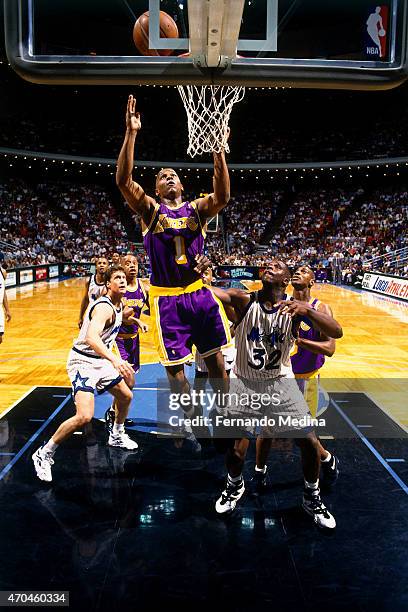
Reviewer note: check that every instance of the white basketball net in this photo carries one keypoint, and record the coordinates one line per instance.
(208, 111)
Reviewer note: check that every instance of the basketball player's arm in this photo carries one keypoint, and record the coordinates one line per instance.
(133, 193)
(101, 315)
(84, 304)
(321, 321)
(6, 307)
(142, 325)
(5, 299)
(234, 301)
(212, 204)
(326, 345)
(128, 318)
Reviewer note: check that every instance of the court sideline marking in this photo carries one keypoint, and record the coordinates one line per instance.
(35, 435)
(368, 444)
(20, 399)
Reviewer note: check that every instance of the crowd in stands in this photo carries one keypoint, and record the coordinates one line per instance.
(46, 223)
(339, 233)
(246, 219)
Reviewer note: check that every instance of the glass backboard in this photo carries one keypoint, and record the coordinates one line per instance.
(304, 43)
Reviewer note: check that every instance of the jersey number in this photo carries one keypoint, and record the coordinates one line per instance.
(180, 247)
(272, 360)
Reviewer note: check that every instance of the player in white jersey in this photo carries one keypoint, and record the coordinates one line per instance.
(307, 360)
(93, 367)
(265, 335)
(5, 313)
(94, 288)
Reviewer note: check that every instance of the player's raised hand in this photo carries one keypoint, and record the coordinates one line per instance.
(293, 307)
(123, 367)
(133, 122)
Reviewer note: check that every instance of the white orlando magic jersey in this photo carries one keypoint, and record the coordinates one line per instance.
(95, 290)
(108, 335)
(264, 341)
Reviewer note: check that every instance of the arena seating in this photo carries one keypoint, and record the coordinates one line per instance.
(65, 221)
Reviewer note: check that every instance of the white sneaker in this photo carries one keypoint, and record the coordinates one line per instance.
(122, 440)
(230, 496)
(313, 505)
(42, 463)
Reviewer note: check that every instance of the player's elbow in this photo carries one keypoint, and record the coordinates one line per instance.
(223, 197)
(220, 201)
(338, 332)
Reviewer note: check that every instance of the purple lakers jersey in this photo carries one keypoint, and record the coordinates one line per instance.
(135, 299)
(172, 240)
(303, 361)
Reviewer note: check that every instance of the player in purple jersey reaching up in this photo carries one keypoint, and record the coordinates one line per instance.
(184, 311)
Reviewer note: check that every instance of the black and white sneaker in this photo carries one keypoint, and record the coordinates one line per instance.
(259, 480)
(230, 496)
(313, 505)
(42, 463)
(122, 440)
(110, 419)
(330, 471)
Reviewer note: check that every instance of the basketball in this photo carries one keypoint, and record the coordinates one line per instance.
(381, 32)
(168, 29)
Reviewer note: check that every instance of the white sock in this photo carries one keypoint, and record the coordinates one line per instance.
(235, 479)
(263, 470)
(328, 458)
(312, 485)
(49, 448)
(118, 429)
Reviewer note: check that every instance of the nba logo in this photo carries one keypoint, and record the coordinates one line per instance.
(376, 32)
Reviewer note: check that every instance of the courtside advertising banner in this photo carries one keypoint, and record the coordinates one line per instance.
(53, 271)
(237, 272)
(11, 279)
(40, 274)
(387, 285)
(26, 276)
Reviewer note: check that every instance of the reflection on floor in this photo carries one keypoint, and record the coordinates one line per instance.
(134, 531)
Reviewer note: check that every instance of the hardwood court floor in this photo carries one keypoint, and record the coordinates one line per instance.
(371, 357)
